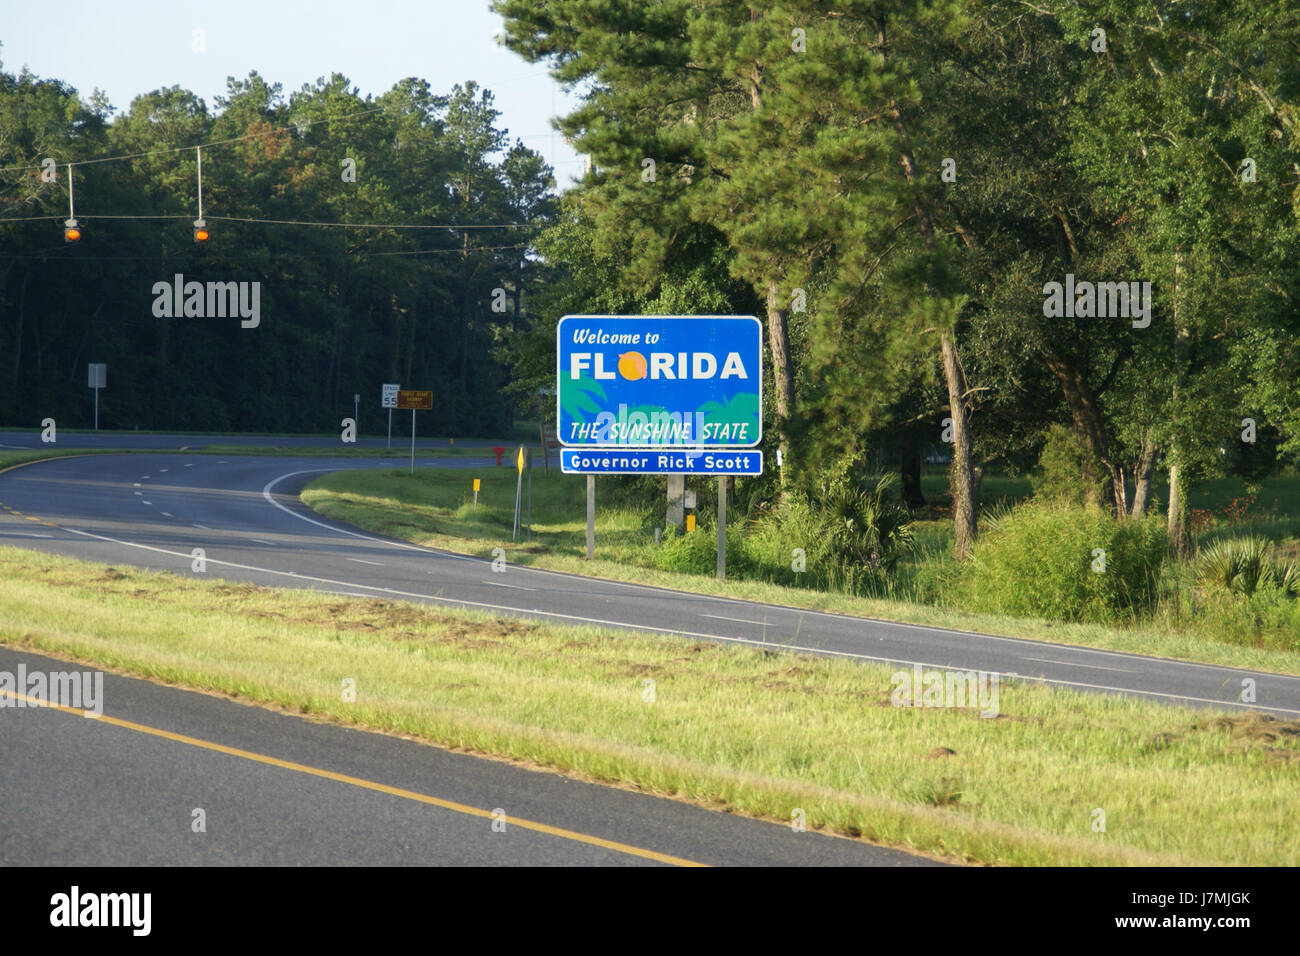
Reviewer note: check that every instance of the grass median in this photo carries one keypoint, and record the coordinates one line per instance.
(10, 459)
(434, 507)
(758, 733)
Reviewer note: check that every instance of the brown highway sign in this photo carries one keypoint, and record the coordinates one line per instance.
(406, 398)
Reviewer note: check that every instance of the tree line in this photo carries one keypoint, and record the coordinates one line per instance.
(893, 187)
(343, 309)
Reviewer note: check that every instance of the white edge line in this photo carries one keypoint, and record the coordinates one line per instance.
(266, 493)
(825, 652)
(1095, 667)
(738, 620)
(842, 618)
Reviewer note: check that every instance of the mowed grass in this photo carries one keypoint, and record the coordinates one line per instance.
(434, 508)
(440, 502)
(10, 458)
(758, 733)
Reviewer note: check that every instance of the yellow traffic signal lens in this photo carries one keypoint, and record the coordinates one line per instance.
(200, 235)
(71, 235)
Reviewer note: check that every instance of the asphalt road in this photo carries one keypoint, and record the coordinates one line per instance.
(122, 790)
(145, 441)
(153, 510)
(282, 790)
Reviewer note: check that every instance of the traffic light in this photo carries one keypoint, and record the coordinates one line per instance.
(71, 231)
(200, 231)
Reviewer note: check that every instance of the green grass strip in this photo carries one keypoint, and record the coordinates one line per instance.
(434, 508)
(757, 733)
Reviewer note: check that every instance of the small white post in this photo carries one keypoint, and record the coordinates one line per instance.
(591, 517)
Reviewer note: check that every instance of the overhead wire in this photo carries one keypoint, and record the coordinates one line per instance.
(360, 254)
(218, 142)
(297, 125)
(289, 222)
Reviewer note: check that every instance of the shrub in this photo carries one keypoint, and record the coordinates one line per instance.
(1041, 560)
(774, 534)
(1267, 618)
(1244, 566)
(931, 576)
(850, 540)
(1061, 467)
(688, 552)
(696, 552)
(1289, 580)
(866, 531)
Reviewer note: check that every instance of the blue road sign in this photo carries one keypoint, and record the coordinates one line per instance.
(634, 461)
(659, 381)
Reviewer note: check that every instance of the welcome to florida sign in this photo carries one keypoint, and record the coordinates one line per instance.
(659, 381)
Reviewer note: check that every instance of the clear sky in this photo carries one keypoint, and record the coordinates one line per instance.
(129, 47)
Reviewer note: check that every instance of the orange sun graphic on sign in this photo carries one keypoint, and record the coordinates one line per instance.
(632, 366)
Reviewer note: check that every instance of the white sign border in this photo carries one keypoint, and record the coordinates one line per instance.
(643, 447)
(678, 449)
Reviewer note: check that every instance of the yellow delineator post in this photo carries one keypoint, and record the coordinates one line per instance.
(520, 461)
(690, 523)
(476, 481)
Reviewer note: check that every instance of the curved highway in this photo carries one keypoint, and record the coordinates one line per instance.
(275, 789)
(152, 510)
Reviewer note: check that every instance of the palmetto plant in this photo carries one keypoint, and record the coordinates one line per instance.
(864, 529)
(995, 516)
(1289, 580)
(1244, 566)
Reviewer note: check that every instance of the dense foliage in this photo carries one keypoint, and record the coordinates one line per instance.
(1066, 563)
(893, 186)
(420, 301)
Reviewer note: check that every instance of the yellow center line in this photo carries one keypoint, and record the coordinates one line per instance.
(368, 784)
(37, 461)
(24, 464)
